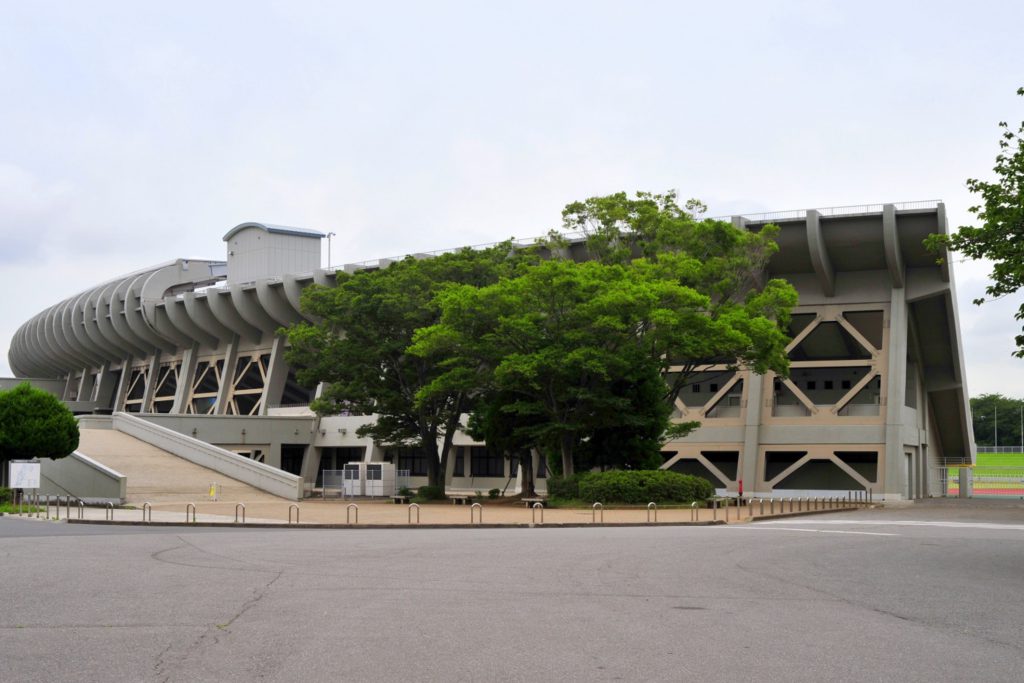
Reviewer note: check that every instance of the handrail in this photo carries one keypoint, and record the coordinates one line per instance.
(650, 506)
(239, 505)
(411, 506)
(192, 507)
(480, 516)
(348, 511)
(593, 512)
(291, 507)
(108, 514)
(146, 507)
(694, 516)
(533, 513)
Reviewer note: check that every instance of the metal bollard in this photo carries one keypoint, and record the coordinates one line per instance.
(291, 507)
(239, 505)
(192, 507)
(480, 516)
(533, 513)
(652, 506)
(147, 508)
(108, 514)
(58, 508)
(348, 511)
(417, 506)
(593, 512)
(81, 509)
(714, 509)
(694, 516)
(771, 506)
(67, 508)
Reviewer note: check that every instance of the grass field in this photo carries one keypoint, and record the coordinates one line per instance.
(1001, 460)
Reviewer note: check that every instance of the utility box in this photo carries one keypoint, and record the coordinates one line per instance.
(380, 479)
(353, 475)
(373, 479)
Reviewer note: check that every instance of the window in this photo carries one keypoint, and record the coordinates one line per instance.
(828, 384)
(845, 384)
(713, 387)
(696, 388)
(484, 462)
(460, 460)
(812, 385)
(412, 459)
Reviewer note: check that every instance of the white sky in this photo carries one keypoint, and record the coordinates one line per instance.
(134, 133)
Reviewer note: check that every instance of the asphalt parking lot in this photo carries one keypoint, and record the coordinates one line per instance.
(926, 592)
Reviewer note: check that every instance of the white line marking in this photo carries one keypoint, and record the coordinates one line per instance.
(946, 525)
(813, 531)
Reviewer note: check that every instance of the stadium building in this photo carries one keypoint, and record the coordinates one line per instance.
(876, 398)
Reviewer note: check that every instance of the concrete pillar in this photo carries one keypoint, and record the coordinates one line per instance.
(895, 383)
(86, 385)
(752, 432)
(104, 388)
(227, 378)
(186, 376)
(277, 375)
(151, 377)
(122, 384)
(310, 465)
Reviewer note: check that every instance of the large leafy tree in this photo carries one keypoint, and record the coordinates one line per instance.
(1000, 237)
(573, 349)
(359, 348)
(34, 424)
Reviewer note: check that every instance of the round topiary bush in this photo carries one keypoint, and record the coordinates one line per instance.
(637, 487)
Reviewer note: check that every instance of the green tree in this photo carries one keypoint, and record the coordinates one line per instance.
(34, 424)
(1000, 238)
(995, 413)
(358, 348)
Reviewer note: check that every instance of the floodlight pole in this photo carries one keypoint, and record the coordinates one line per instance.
(329, 236)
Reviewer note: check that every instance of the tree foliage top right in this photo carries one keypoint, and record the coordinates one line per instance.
(1000, 237)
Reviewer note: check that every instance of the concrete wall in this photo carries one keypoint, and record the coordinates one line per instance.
(80, 476)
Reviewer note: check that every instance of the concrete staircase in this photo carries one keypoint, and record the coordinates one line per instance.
(157, 476)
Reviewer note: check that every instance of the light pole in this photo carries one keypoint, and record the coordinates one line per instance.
(329, 236)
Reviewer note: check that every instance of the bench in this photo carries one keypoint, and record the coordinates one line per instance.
(530, 501)
(399, 499)
(460, 499)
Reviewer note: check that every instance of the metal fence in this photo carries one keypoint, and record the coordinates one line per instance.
(987, 482)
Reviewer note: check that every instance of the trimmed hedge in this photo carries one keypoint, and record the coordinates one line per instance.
(566, 488)
(637, 487)
(426, 493)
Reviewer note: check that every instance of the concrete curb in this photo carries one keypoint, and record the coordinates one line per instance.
(283, 525)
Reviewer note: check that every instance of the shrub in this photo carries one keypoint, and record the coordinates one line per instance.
(6, 495)
(493, 493)
(566, 488)
(643, 486)
(429, 493)
(404, 491)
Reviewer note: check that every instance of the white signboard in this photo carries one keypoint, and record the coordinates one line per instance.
(24, 474)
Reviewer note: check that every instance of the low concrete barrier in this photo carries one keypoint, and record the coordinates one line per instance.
(82, 477)
(255, 474)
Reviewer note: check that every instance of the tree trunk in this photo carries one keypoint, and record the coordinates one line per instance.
(526, 463)
(567, 463)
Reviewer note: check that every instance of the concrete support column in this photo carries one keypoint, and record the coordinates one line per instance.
(277, 375)
(69, 384)
(122, 385)
(151, 378)
(86, 385)
(104, 388)
(895, 383)
(186, 376)
(227, 378)
(749, 464)
(310, 465)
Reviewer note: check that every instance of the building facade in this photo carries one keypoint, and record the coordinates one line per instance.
(876, 397)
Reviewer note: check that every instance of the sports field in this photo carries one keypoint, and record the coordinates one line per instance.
(995, 474)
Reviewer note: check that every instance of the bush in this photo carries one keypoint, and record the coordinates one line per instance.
(565, 488)
(6, 495)
(493, 493)
(404, 491)
(643, 486)
(425, 493)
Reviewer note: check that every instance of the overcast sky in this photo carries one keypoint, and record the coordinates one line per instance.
(133, 133)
